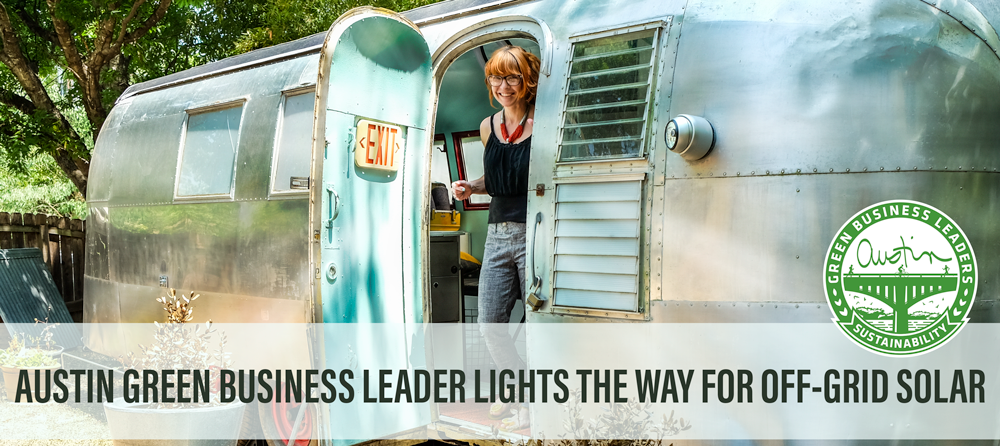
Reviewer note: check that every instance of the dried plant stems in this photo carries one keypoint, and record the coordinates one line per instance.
(177, 345)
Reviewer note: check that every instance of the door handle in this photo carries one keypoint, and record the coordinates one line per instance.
(534, 300)
(334, 205)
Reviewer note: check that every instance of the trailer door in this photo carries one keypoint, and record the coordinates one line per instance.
(370, 143)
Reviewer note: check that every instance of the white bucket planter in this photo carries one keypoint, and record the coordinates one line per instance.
(215, 425)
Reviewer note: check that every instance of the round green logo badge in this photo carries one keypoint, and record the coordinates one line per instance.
(900, 277)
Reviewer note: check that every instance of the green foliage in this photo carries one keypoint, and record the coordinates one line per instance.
(58, 102)
(194, 33)
(28, 358)
(34, 184)
(65, 124)
(16, 355)
(287, 20)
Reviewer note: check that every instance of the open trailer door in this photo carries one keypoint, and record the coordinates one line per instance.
(371, 142)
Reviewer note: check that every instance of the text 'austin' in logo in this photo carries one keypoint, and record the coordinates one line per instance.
(900, 277)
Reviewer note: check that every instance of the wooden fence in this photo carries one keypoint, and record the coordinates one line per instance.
(62, 243)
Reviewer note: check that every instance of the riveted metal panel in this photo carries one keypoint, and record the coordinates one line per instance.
(815, 86)
(136, 163)
(370, 228)
(96, 263)
(768, 236)
(254, 159)
(253, 248)
(367, 51)
(656, 239)
(101, 304)
(983, 311)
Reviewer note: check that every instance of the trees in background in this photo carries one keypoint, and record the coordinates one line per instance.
(36, 185)
(63, 63)
(287, 20)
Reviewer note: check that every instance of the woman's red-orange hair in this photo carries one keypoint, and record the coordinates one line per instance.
(509, 60)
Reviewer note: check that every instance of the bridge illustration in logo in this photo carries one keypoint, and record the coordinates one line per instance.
(900, 277)
(900, 291)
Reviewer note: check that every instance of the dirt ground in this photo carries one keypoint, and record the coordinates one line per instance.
(24, 424)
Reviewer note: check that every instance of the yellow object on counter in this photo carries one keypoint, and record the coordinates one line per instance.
(445, 220)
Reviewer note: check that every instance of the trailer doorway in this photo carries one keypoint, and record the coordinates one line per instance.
(457, 243)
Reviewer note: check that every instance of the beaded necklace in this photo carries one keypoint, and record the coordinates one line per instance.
(517, 131)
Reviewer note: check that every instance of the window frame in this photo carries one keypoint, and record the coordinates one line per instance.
(182, 151)
(457, 137)
(276, 149)
(659, 37)
(440, 138)
(558, 307)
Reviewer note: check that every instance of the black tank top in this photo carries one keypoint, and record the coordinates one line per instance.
(506, 167)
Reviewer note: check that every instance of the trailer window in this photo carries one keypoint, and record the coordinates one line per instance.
(440, 170)
(209, 153)
(469, 151)
(294, 142)
(607, 97)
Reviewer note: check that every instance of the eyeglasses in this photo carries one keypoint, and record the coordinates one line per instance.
(512, 80)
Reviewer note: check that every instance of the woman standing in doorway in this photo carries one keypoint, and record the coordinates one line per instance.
(512, 79)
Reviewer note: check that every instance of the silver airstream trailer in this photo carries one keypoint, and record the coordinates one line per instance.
(693, 161)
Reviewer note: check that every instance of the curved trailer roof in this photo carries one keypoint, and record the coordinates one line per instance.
(306, 45)
(422, 15)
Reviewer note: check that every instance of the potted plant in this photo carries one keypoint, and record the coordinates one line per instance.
(16, 357)
(45, 341)
(178, 345)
